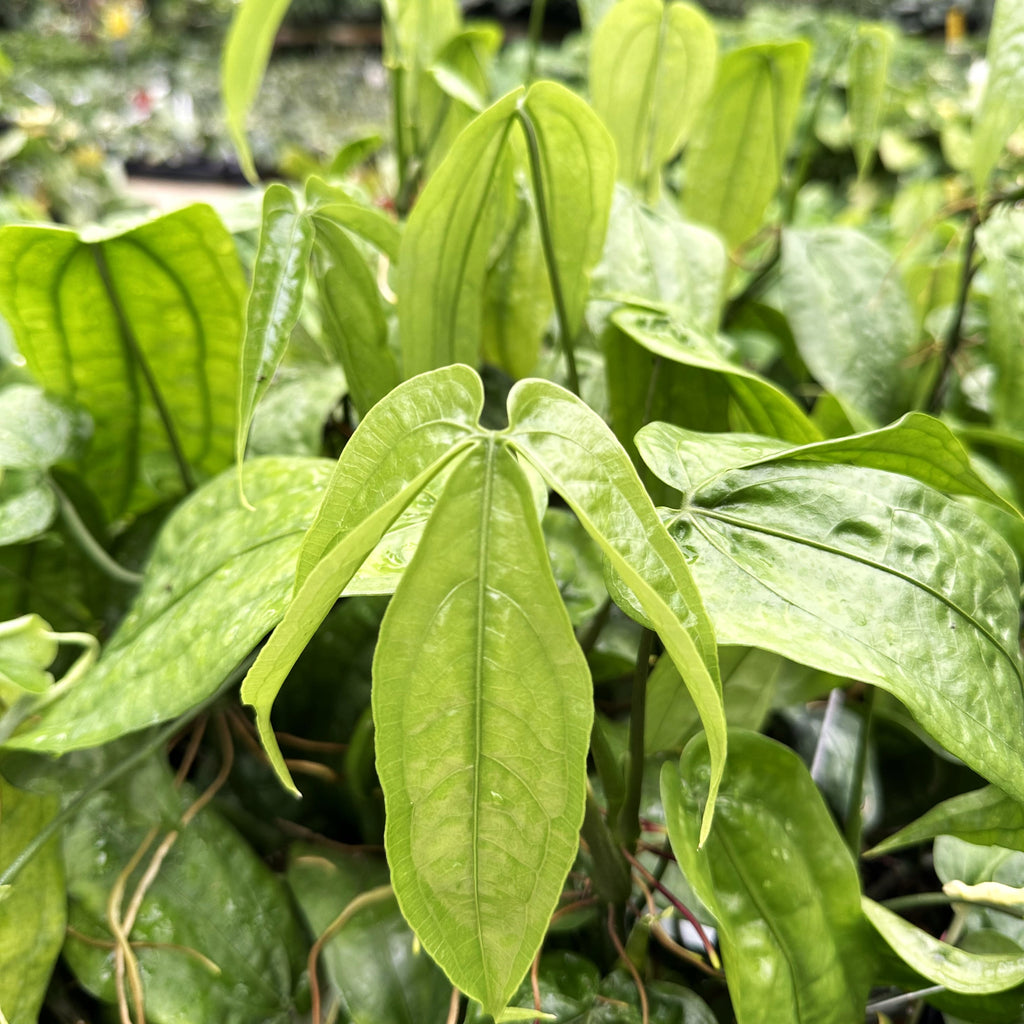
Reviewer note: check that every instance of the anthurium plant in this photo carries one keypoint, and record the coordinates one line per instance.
(619, 558)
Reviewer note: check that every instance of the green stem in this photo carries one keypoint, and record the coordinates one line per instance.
(138, 356)
(88, 543)
(855, 815)
(940, 899)
(548, 245)
(398, 127)
(894, 1004)
(629, 816)
(611, 874)
(535, 30)
(112, 775)
(954, 335)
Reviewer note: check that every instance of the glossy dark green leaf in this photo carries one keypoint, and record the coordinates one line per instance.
(243, 64)
(400, 446)
(765, 407)
(999, 112)
(868, 74)
(851, 318)
(578, 456)
(1001, 240)
(216, 938)
(483, 768)
(827, 564)
(732, 175)
(372, 961)
(35, 430)
(275, 299)
(164, 657)
(941, 963)
(355, 327)
(142, 329)
(32, 910)
(652, 66)
(987, 817)
(779, 880)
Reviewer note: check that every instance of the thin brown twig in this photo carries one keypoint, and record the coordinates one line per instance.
(453, 1007)
(188, 758)
(171, 947)
(645, 1014)
(535, 985)
(322, 746)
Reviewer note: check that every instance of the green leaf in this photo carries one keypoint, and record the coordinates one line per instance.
(354, 324)
(779, 880)
(999, 112)
(372, 960)
(27, 507)
(244, 60)
(165, 657)
(986, 817)
(577, 170)
(32, 911)
(828, 564)
(442, 262)
(212, 898)
(142, 329)
(766, 407)
(1001, 240)
(657, 257)
(578, 456)
(35, 430)
(335, 204)
(275, 299)
(27, 649)
(941, 963)
(732, 175)
(483, 769)
(401, 445)
(851, 318)
(292, 416)
(868, 72)
(652, 66)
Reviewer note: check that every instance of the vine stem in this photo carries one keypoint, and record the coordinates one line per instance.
(548, 246)
(534, 32)
(611, 873)
(135, 350)
(91, 547)
(364, 899)
(629, 815)
(645, 1013)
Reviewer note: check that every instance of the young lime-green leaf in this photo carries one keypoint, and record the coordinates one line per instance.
(409, 436)
(765, 406)
(35, 430)
(652, 66)
(243, 63)
(731, 175)
(986, 817)
(446, 243)
(142, 329)
(778, 878)
(27, 649)
(851, 318)
(33, 910)
(355, 327)
(1001, 241)
(1001, 107)
(337, 205)
(373, 960)
(164, 657)
(868, 72)
(483, 709)
(576, 157)
(216, 937)
(941, 963)
(353, 153)
(275, 299)
(827, 564)
(578, 456)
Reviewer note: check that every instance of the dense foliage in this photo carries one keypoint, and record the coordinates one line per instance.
(615, 532)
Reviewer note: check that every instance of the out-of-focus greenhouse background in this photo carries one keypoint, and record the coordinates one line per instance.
(93, 92)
